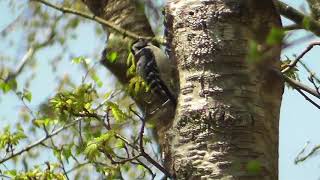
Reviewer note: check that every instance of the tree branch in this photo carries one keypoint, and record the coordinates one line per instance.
(297, 85)
(315, 8)
(40, 141)
(21, 65)
(294, 63)
(308, 99)
(299, 18)
(299, 159)
(97, 19)
(32, 50)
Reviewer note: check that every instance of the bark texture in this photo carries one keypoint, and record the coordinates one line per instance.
(129, 15)
(226, 124)
(315, 8)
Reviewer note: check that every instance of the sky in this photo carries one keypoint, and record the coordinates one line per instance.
(299, 120)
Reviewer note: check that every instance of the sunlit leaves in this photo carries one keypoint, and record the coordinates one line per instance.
(131, 65)
(112, 57)
(96, 79)
(292, 73)
(27, 95)
(78, 60)
(78, 101)
(137, 85)
(44, 122)
(10, 139)
(7, 86)
(113, 172)
(50, 173)
(117, 113)
(101, 142)
(63, 153)
(91, 151)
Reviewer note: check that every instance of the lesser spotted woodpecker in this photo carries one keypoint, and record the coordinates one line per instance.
(154, 67)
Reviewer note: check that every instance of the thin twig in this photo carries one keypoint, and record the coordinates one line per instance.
(145, 166)
(310, 72)
(123, 161)
(4, 176)
(298, 17)
(77, 167)
(311, 79)
(298, 58)
(40, 141)
(313, 151)
(308, 99)
(139, 149)
(95, 18)
(21, 65)
(31, 51)
(292, 27)
(298, 85)
(60, 159)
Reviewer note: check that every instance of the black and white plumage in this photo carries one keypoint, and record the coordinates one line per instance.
(154, 67)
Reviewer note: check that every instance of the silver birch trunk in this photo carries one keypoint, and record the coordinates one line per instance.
(226, 123)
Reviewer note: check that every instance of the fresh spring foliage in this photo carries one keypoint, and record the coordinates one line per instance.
(136, 84)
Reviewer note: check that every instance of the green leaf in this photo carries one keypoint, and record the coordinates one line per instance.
(107, 95)
(4, 87)
(78, 60)
(97, 80)
(131, 64)
(112, 56)
(73, 23)
(87, 106)
(45, 122)
(292, 73)
(130, 59)
(117, 113)
(275, 36)
(27, 95)
(119, 144)
(7, 86)
(12, 173)
(66, 152)
(92, 151)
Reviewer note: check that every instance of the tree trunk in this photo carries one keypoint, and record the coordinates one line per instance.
(128, 15)
(226, 123)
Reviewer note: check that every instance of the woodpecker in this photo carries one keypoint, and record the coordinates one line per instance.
(155, 68)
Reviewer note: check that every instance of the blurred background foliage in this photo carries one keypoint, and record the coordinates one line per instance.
(58, 100)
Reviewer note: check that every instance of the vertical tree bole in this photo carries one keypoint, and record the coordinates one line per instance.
(226, 123)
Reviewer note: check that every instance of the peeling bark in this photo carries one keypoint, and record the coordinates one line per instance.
(228, 109)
